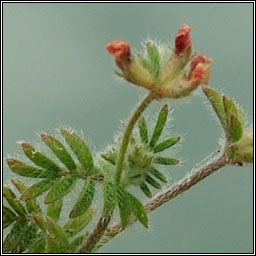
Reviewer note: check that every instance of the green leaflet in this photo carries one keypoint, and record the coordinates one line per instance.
(110, 197)
(152, 182)
(54, 209)
(230, 108)
(76, 243)
(40, 222)
(217, 103)
(166, 144)
(85, 199)
(138, 210)
(75, 225)
(56, 239)
(158, 174)
(236, 129)
(38, 245)
(110, 157)
(124, 204)
(61, 188)
(161, 121)
(31, 204)
(38, 188)
(26, 170)
(13, 201)
(143, 130)
(40, 159)
(165, 161)
(80, 149)
(59, 150)
(19, 237)
(8, 217)
(145, 189)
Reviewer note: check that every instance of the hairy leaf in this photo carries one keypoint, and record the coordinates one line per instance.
(165, 161)
(8, 217)
(38, 188)
(143, 130)
(61, 188)
(145, 189)
(59, 150)
(110, 157)
(75, 225)
(76, 243)
(31, 204)
(217, 103)
(138, 210)
(38, 245)
(236, 129)
(124, 205)
(158, 174)
(40, 159)
(85, 199)
(19, 237)
(26, 170)
(230, 108)
(110, 197)
(56, 240)
(161, 121)
(13, 201)
(166, 144)
(152, 182)
(40, 221)
(79, 148)
(154, 59)
(54, 209)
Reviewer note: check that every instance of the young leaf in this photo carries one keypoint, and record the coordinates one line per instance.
(230, 108)
(162, 117)
(20, 237)
(79, 148)
(85, 199)
(26, 170)
(38, 188)
(76, 243)
(40, 159)
(166, 144)
(61, 188)
(158, 174)
(14, 202)
(217, 103)
(54, 209)
(31, 204)
(165, 161)
(154, 59)
(56, 240)
(110, 197)
(60, 151)
(145, 189)
(38, 245)
(152, 182)
(138, 210)
(75, 225)
(124, 205)
(8, 217)
(236, 129)
(40, 222)
(143, 130)
(110, 157)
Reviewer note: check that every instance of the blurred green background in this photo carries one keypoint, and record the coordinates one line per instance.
(57, 72)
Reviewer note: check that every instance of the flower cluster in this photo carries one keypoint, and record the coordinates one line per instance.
(165, 79)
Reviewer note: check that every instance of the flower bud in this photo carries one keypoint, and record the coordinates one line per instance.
(183, 43)
(121, 50)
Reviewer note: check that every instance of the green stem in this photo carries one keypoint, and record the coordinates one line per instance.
(128, 131)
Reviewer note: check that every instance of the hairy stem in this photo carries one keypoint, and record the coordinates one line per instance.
(103, 222)
(191, 179)
(128, 132)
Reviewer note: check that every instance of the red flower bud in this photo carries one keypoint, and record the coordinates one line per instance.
(183, 43)
(200, 70)
(121, 50)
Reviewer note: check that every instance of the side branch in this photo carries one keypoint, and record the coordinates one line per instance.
(178, 188)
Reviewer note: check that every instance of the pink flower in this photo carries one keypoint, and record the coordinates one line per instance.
(200, 70)
(183, 43)
(121, 50)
